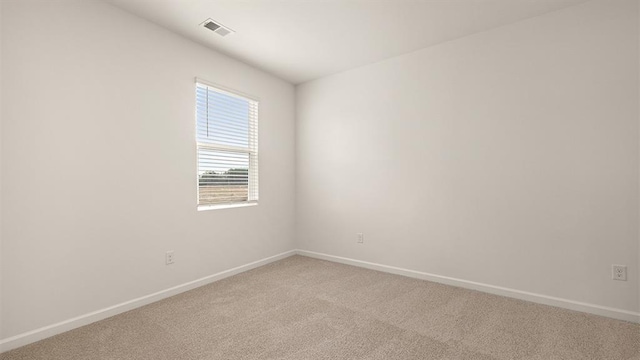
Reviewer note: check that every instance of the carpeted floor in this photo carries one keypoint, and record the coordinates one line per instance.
(302, 308)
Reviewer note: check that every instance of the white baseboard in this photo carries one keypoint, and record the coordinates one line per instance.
(491, 289)
(54, 329)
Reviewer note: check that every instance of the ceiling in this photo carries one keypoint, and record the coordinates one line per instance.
(300, 40)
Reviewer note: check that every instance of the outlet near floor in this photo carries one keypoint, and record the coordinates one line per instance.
(169, 257)
(360, 238)
(619, 272)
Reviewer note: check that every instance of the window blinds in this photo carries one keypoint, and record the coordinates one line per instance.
(227, 141)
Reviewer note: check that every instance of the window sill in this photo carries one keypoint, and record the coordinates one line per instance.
(226, 206)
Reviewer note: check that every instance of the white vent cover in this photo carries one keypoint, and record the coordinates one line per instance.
(216, 27)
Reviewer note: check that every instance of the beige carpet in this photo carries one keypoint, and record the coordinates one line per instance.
(302, 308)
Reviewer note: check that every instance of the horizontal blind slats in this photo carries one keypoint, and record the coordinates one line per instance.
(227, 135)
(223, 128)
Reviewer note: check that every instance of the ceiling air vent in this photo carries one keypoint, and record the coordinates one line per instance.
(217, 28)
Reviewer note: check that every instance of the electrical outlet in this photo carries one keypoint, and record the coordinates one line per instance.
(169, 257)
(360, 238)
(619, 272)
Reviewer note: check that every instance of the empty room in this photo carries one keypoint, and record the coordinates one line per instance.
(319, 179)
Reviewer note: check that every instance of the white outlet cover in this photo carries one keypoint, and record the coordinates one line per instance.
(619, 272)
(169, 258)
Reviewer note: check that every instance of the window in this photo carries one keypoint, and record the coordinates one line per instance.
(227, 141)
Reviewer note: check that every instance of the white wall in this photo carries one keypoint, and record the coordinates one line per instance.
(508, 158)
(99, 162)
(1, 32)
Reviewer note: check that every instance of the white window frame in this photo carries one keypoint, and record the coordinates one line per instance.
(251, 150)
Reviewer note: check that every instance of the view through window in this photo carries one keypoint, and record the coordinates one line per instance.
(227, 141)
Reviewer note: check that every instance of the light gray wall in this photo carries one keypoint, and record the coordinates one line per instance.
(99, 163)
(1, 286)
(508, 158)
